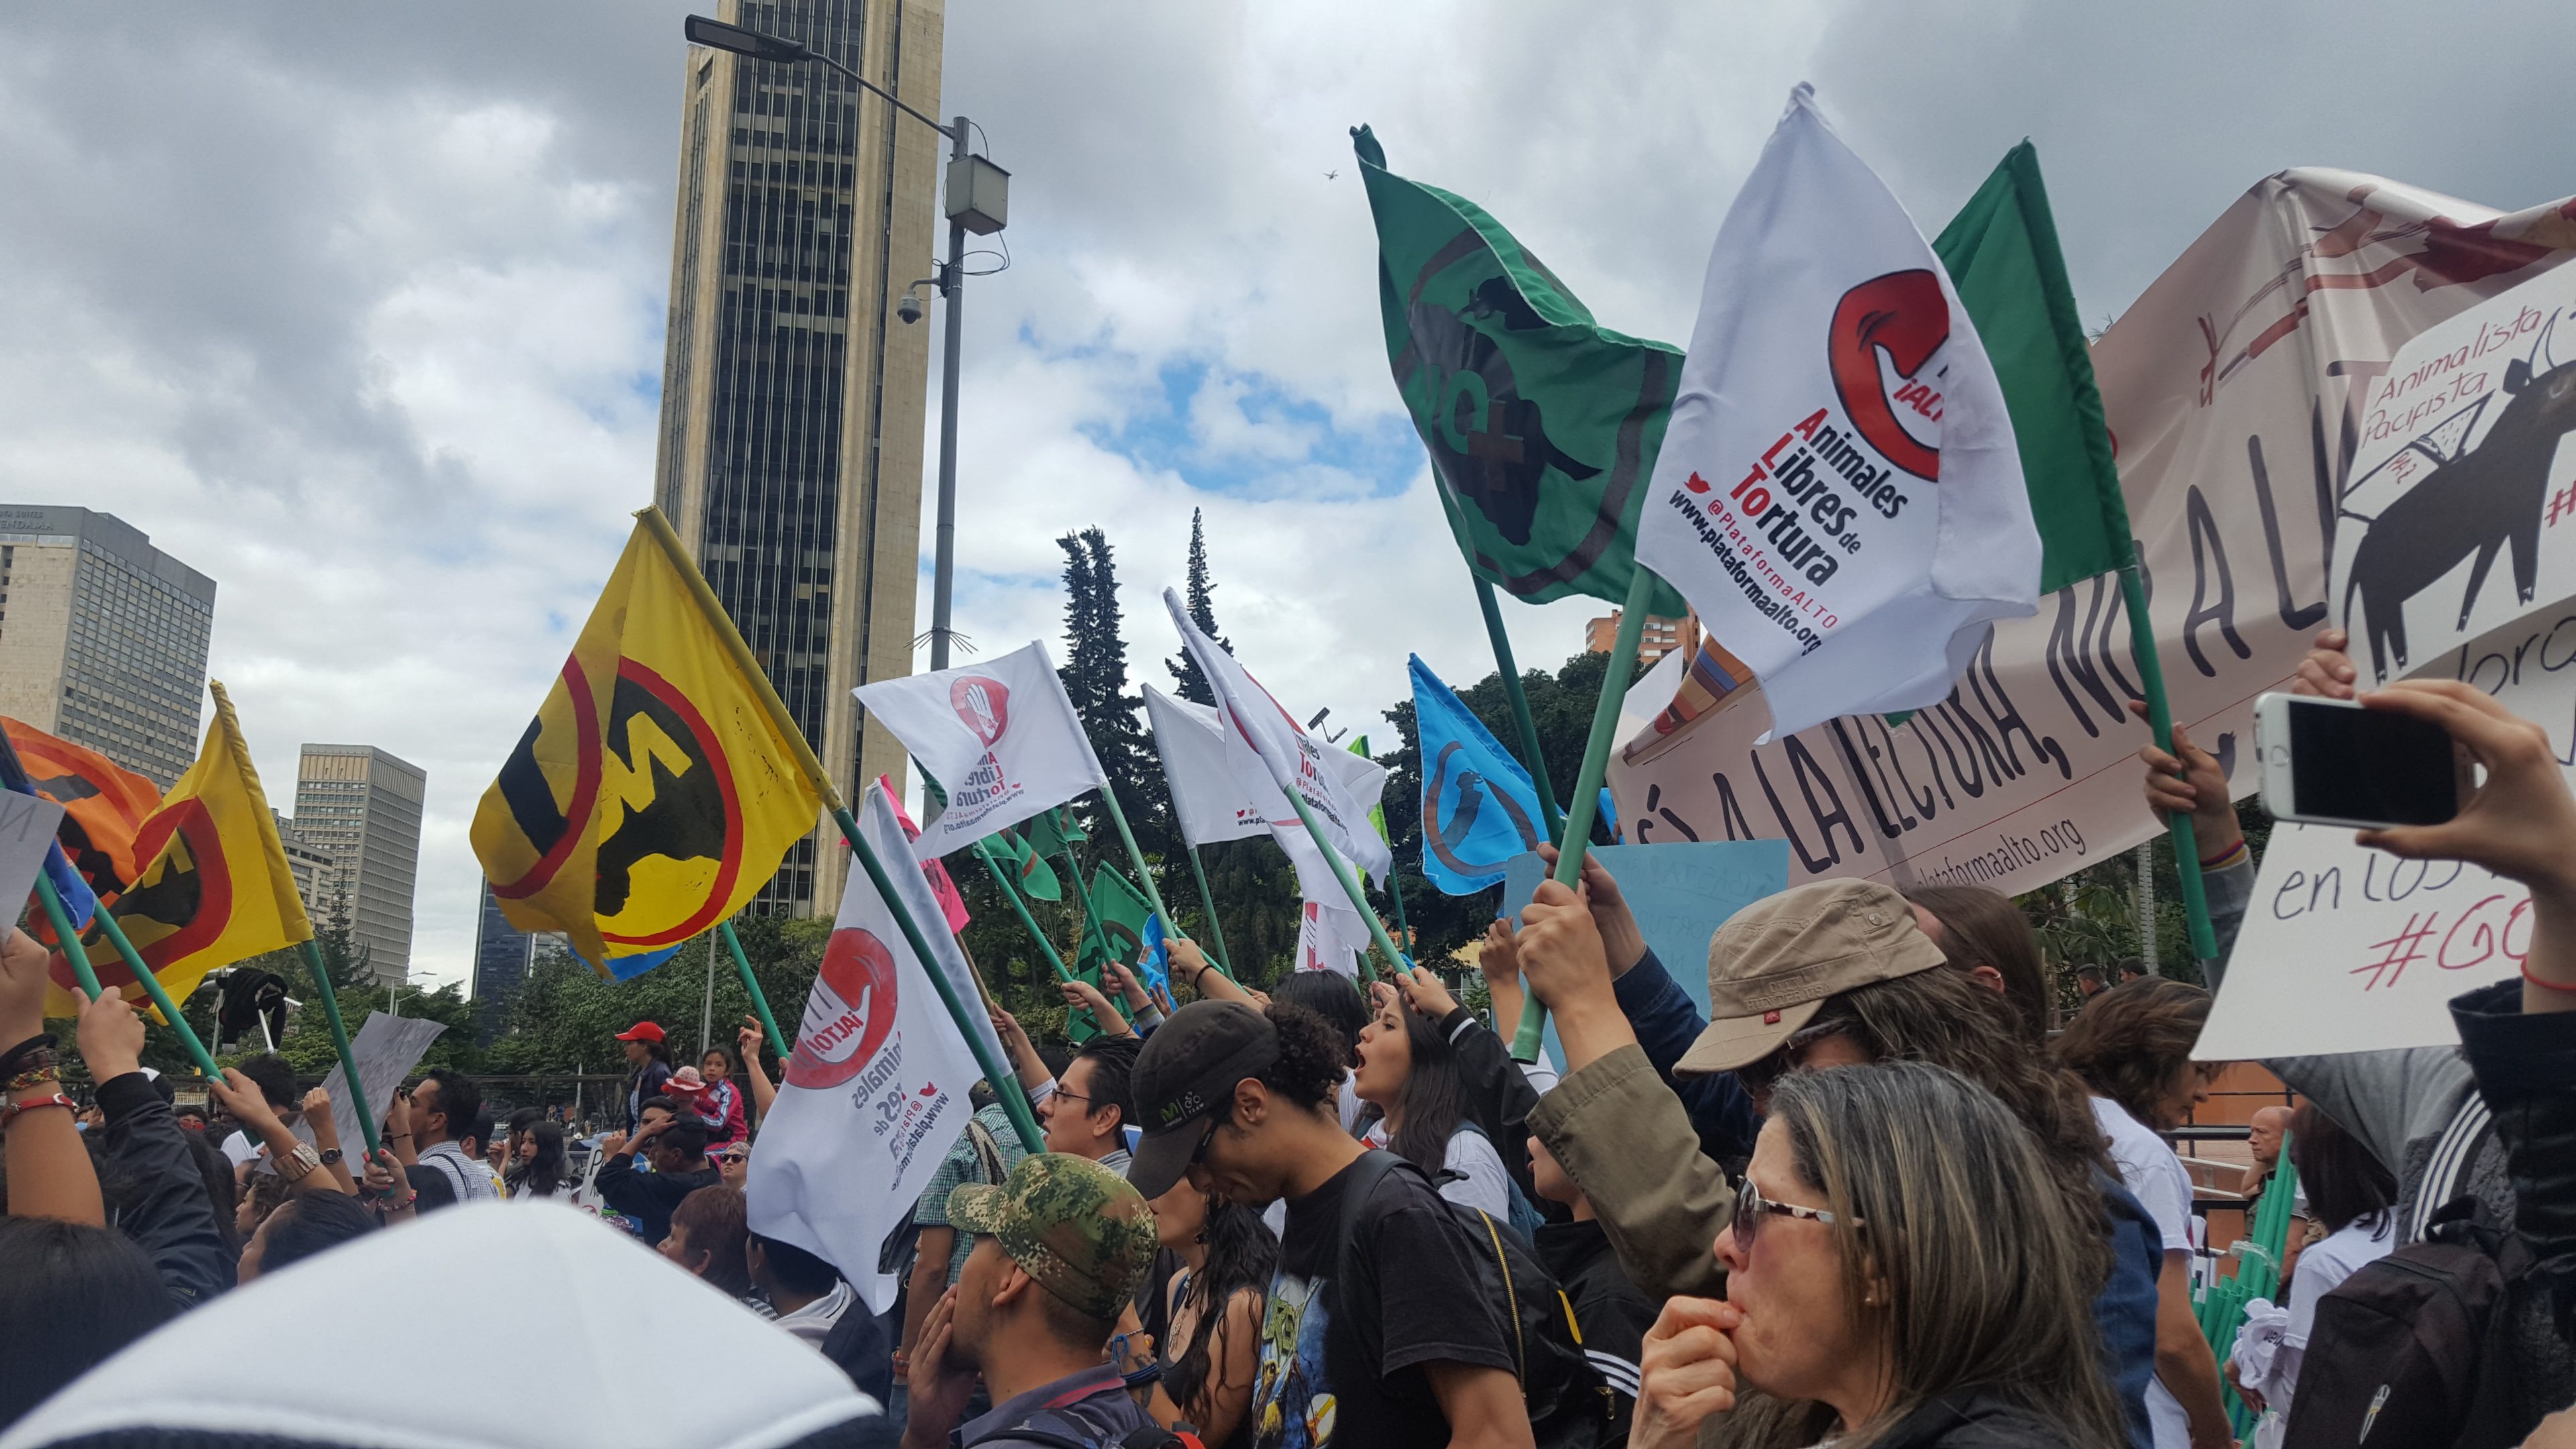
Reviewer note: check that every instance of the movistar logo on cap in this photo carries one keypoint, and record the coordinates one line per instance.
(1190, 1104)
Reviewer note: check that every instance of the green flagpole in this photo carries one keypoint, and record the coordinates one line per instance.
(1395, 890)
(759, 998)
(340, 1042)
(1530, 756)
(2151, 678)
(1587, 785)
(1152, 894)
(61, 920)
(1207, 899)
(160, 994)
(1029, 922)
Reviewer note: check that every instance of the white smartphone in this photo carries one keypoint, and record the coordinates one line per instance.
(2331, 762)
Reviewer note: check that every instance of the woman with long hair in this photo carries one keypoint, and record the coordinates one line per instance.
(1879, 1291)
(537, 1163)
(1212, 1350)
(649, 1058)
(2132, 1047)
(1407, 1072)
(1984, 935)
(2351, 1195)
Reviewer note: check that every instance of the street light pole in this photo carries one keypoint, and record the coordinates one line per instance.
(977, 200)
(944, 548)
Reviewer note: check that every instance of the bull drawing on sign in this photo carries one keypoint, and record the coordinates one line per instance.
(2471, 506)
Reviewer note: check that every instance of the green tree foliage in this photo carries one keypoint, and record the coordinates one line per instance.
(1095, 677)
(566, 1016)
(1199, 596)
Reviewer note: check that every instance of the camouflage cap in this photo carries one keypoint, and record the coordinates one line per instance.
(1070, 1223)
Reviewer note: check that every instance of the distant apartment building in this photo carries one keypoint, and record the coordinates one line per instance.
(102, 637)
(1659, 637)
(361, 808)
(310, 867)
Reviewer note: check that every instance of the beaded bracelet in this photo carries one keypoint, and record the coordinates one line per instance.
(35, 1051)
(36, 1077)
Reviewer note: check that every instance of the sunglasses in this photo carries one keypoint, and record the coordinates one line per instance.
(1751, 1207)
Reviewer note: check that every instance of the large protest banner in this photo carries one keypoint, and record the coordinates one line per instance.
(2235, 390)
(2449, 526)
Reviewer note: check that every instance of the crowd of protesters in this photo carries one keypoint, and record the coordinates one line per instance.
(1866, 1199)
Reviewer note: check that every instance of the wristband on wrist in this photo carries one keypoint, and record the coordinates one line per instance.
(2230, 856)
(36, 1051)
(2546, 985)
(14, 1110)
(33, 1077)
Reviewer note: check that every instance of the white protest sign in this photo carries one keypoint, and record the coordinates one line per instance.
(27, 825)
(2451, 521)
(386, 1049)
(2346, 949)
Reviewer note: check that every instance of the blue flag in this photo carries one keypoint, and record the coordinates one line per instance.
(1153, 965)
(79, 901)
(1478, 806)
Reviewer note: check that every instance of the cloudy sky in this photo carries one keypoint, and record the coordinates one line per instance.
(359, 310)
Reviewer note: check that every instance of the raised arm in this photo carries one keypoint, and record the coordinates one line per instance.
(165, 1208)
(750, 1040)
(49, 1171)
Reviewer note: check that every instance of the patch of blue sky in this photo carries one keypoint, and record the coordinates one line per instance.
(1246, 434)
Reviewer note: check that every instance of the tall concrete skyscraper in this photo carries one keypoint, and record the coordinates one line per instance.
(792, 396)
(361, 807)
(102, 637)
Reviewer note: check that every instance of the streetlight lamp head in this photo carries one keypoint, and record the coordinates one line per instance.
(717, 35)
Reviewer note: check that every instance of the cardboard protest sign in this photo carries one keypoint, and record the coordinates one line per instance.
(386, 1049)
(1680, 894)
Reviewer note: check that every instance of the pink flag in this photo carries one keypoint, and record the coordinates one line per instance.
(951, 904)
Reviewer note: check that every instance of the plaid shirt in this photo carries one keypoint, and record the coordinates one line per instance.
(960, 1167)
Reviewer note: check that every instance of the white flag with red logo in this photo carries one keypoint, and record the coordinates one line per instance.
(875, 1090)
(1838, 493)
(1000, 737)
(1263, 741)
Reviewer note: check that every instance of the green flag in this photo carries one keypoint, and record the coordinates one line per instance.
(1051, 832)
(1026, 869)
(2001, 250)
(1542, 427)
(1377, 813)
(1123, 913)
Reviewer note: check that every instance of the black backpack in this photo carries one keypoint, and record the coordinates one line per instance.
(2412, 1351)
(1569, 1405)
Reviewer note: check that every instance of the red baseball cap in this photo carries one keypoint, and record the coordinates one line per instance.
(641, 1031)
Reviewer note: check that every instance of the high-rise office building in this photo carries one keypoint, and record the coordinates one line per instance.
(361, 807)
(102, 637)
(792, 396)
(312, 869)
(502, 955)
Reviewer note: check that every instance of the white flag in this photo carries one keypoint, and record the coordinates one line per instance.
(1330, 935)
(875, 1092)
(1000, 736)
(1207, 800)
(1261, 740)
(1838, 494)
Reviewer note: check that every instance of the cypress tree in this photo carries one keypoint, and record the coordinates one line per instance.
(1187, 680)
(1095, 676)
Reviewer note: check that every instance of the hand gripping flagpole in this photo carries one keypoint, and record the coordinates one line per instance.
(1004, 1081)
(340, 1042)
(1587, 785)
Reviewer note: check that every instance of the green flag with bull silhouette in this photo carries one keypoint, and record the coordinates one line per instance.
(1542, 425)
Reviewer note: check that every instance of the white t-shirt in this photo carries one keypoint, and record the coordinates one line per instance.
(2160, 1183)
(1482, 1183)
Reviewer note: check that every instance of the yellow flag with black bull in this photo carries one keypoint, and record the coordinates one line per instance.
(660, 783)
(213, 887)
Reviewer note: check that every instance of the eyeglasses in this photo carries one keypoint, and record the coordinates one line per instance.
(1198, 1154)
(1751, 1207)
(1789, 1056)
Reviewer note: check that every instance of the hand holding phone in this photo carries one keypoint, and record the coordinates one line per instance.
(2520, 821)
(2339, 762)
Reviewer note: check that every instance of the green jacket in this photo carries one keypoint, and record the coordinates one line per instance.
(1624, 1139)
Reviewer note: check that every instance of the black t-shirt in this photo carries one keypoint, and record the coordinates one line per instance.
(1341, 1363)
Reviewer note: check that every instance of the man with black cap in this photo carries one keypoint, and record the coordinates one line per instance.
(1242, 1102)
(1059, 1248)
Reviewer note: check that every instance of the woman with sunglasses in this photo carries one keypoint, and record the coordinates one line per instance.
(733, 1164)
(1879, 1293)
